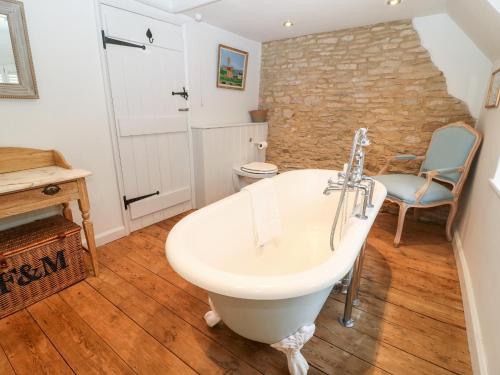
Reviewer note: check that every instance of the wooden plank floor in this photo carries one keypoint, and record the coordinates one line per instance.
(139, 316)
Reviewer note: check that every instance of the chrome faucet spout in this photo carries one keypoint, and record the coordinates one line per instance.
(329, 189)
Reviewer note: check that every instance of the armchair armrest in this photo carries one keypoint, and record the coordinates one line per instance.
(435, 172)
(430, 176)
(401, 157)
(404, 157)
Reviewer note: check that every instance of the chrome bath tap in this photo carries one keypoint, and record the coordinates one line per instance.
(352, 179)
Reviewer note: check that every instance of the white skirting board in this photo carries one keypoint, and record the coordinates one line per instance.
(474, 337)
(107, 236)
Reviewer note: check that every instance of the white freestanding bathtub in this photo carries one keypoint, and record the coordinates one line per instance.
(271, 294)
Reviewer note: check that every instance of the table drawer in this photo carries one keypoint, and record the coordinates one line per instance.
(40, 197)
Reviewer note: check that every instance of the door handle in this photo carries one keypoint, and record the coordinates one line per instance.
(149, 35)
(183, 109)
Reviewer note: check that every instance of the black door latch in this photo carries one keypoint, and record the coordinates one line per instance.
(182, 93)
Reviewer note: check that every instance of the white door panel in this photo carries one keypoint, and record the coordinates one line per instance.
(129, 26)
(152, 133)
(147, 206)
(139, 126)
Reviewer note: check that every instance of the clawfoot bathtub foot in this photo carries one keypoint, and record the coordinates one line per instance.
(212, 317)
(297, 364)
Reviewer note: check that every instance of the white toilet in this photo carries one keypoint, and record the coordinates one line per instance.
(247, 174)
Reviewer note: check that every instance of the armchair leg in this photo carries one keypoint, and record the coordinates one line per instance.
(451, 219)
(401, 220)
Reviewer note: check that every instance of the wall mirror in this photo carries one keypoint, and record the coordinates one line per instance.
(493, 98)
(17, 76)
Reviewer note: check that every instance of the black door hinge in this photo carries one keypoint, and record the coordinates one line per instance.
(108, 40)
(127, 202)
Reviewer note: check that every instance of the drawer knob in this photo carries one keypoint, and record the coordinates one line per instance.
(51, 189)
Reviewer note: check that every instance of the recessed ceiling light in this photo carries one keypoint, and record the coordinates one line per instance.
(287, 23)
(393, 2)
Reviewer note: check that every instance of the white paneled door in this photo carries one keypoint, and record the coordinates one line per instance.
(151, 123)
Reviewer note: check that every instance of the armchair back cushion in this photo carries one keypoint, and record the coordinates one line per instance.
(449, 148)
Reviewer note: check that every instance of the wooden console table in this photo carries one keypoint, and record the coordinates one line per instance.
(32, 179)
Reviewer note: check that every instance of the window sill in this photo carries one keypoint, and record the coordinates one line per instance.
(495, 185)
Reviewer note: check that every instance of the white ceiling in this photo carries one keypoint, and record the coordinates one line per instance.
(261, 20)
(176, 6)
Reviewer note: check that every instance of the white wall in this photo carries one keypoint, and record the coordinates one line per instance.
(211, 105)
(465, 67)
(480, 19)
(71, 114)
(479, 235)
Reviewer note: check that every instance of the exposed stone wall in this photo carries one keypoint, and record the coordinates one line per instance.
(319, 88)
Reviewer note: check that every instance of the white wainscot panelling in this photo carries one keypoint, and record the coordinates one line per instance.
(217, 150)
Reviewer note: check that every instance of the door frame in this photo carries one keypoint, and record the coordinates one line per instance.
(146, 11)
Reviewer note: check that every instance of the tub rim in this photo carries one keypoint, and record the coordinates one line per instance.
(274, 286)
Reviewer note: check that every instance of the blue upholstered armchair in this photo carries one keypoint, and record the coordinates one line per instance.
(442, 174)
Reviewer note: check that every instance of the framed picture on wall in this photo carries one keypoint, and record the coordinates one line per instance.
(232, 68)
(494, 91)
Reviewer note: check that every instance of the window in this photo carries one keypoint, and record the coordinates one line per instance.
(13, 78)
(495, 181)
(8, 74)
(495, 4)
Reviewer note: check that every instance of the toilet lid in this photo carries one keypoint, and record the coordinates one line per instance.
(259, 167)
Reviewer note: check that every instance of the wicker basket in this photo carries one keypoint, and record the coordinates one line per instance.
(38, 259)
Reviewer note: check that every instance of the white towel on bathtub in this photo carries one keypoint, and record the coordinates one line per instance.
(266, 216)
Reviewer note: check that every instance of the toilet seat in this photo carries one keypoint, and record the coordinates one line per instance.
(259, 168)
(248, 173)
